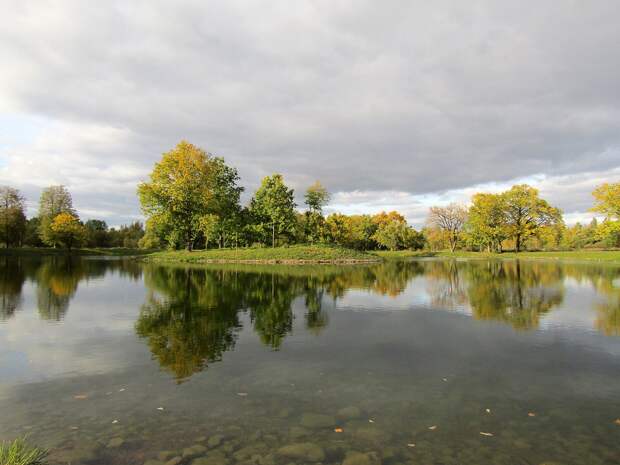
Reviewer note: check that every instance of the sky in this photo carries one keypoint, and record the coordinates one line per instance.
(391, 105)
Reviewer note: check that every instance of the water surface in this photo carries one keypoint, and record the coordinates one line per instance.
(420, 362)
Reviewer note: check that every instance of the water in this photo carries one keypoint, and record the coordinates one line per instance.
(117, 362)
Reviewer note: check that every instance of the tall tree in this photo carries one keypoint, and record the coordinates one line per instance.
(316, 198)
(12, 216)
(187, 184)
(449, 219)
(54, 201)
(607, 200)
(67, 230)
(527, 213)
(273, 207)
(487, 220)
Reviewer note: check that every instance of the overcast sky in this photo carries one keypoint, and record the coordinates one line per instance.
(389, 104)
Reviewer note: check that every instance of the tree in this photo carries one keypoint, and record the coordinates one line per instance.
(96, 233)
(316, 198)
(54, 201)
(187, 184)
(527, 213)
(12, 216)
(273, 208)
(487, 220)
(67, 230)
(450, 220)
(607, 200)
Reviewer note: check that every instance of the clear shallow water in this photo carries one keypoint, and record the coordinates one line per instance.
(116, 362)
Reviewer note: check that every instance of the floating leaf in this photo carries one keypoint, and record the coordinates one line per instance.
(242, 394)
(488, 410)
(80, 397)
(371, 421)
(338, 430)
(486, 434)
(160, 408)
(432, 427)
(617, 422)
(411, 444)
(531, 414)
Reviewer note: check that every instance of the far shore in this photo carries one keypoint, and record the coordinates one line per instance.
(306, 254)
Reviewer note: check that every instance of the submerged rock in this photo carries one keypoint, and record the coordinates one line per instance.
(307, 451)
(174, 460)
(358, 458)
(115, 442)
(316, 420)
(194, 451)
(349, 413)
(215, 440)
(165, 455)
(213, 458)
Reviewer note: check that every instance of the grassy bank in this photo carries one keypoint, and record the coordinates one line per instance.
(578, 255)
(47, 251)
(293, 254)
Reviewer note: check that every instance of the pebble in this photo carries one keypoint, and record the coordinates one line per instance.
(303, 451)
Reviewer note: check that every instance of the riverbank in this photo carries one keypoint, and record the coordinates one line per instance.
(48, 251)
(576, 255)
(295, 254)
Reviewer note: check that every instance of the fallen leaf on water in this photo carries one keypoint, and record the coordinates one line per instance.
(121, 390)
(617, 422)
(411, 444)
(242, 394)
(160, 408)
(74, 427)
(488, 410)
(114, 422)
(432, 427)
(371, 421)
(80, 397)
(531, 414)
(445, 379)
(338, 430)
(486, 434)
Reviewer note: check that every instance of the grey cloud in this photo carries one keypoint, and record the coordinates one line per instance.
(405, 96)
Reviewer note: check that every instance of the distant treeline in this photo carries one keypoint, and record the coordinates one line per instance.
(192, 200)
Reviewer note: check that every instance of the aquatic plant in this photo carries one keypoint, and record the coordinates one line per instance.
(19, 452)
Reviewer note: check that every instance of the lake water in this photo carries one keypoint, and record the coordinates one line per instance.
(423, 362)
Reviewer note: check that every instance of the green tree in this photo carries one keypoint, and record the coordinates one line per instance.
(54, 201)
(273, 208)
(67, 230)
(607, 200)
(316, 198)
(12, 216)
(187, 184)
(527, 213)
(487, 222)
(96, 233)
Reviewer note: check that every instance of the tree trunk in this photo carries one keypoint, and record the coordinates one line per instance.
(518, 243)
(273, 234)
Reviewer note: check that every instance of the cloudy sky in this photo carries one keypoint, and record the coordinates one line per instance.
(390, 104)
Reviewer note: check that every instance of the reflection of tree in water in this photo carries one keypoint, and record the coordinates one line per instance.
(12, 277)
(606, 280)
(513, 292)
(56, 280)
(194, 322)
(509, 291)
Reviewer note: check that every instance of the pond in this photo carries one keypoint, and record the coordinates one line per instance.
(119, 362)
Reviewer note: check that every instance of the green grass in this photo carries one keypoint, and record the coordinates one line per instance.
(19, 452)
(575, 255)
(44, 251)
(402, 254)
(291, 254)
